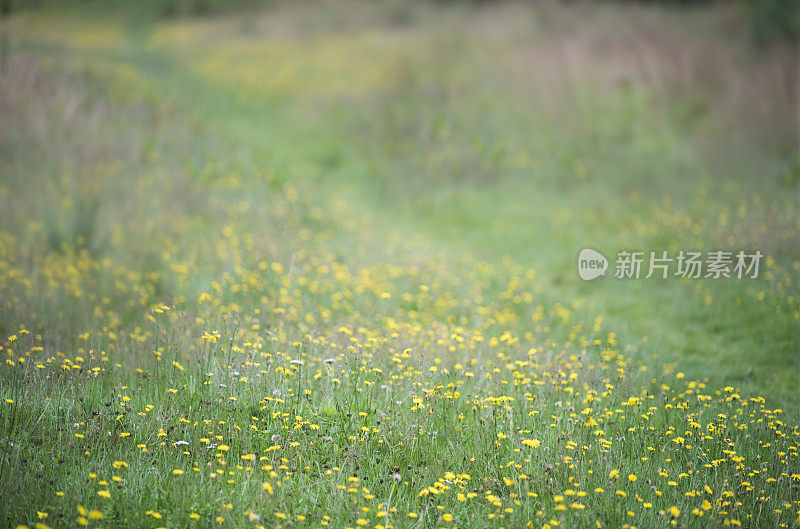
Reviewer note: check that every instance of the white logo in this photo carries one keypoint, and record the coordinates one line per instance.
(591, 264)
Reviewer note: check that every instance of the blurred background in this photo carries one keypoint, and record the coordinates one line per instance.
(516, 132)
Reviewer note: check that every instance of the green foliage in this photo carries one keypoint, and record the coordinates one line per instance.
(287, 269)
(774, 20)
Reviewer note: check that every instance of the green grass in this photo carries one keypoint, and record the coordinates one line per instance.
(343, 245)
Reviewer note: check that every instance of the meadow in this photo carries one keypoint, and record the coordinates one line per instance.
(315, 264)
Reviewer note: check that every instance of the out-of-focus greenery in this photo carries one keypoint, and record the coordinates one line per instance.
(772, 20)
(315, 264)
(768, 20)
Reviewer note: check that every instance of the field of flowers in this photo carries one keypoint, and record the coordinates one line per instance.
(316, 267)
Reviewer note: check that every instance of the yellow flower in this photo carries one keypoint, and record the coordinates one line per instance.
(614, 474)
(103, 493)
(533, 443)
(177, 472)
(447, 517)
(632, 477)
